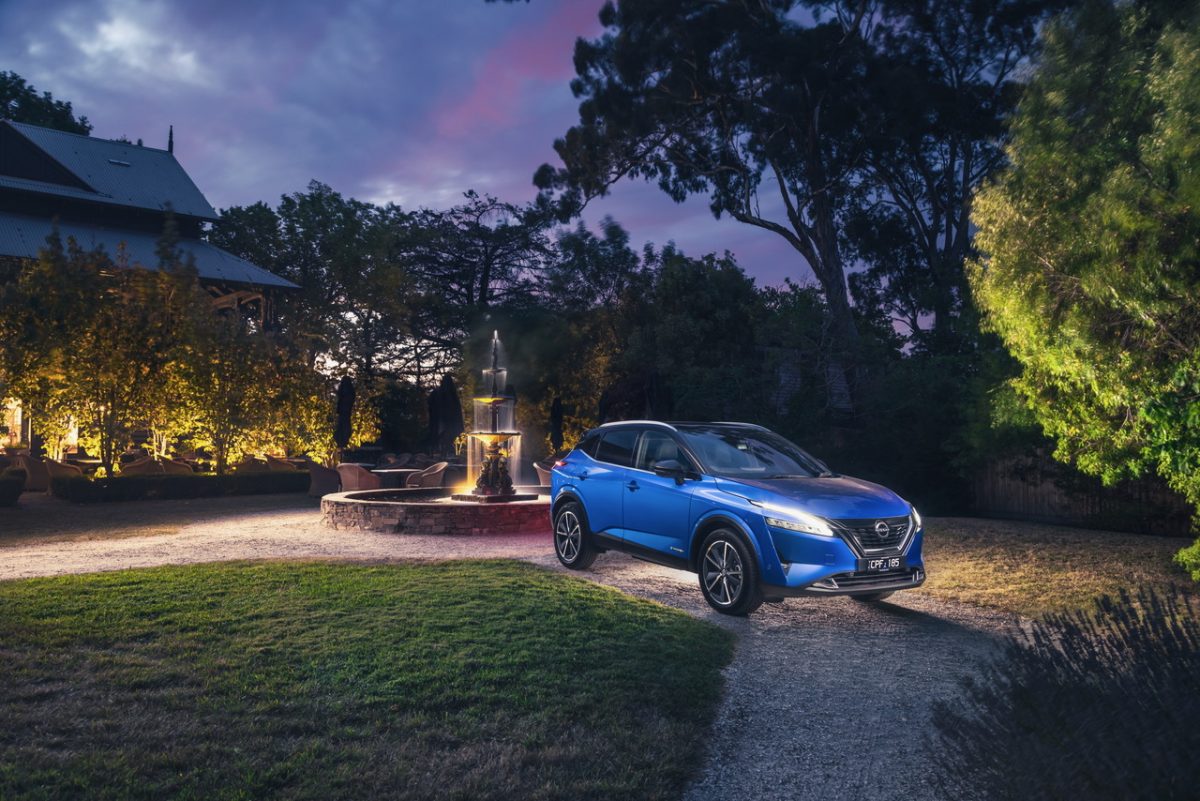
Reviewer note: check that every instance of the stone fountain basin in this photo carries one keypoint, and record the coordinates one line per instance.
(431, 511)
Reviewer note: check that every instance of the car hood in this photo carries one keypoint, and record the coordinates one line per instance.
(834, 497)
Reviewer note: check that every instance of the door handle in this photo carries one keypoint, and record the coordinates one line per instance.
(582, 475)
(633, 486)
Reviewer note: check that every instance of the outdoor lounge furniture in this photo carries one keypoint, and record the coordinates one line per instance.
(142, 467)
(37, 478)
(357, 478)
(174, 467)
(280, 465)
(322, 480)
(543, 475)
(60, 470)
(431, 476)
(250, 465)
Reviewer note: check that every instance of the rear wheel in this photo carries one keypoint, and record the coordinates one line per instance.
(572, 540)
(729, 574)
(874, 596)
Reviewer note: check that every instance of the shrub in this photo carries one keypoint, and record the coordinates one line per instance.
(138, 488)
(12, 482)
(1098, 704)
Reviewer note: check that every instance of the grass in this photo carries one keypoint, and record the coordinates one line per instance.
(40, 518)
(468, 680)
(1033, 569)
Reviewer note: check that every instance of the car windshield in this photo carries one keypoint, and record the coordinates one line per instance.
(751, 453)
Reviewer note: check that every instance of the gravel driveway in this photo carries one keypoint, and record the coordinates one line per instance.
(827, 698)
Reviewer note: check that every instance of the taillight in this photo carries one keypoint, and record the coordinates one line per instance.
(561, 463)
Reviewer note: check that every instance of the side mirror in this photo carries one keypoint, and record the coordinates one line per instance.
(672, 468)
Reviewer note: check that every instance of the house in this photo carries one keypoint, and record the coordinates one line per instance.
(119, 195)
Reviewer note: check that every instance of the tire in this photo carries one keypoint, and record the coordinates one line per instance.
(874, 596)
(572, 538)
(729, 574)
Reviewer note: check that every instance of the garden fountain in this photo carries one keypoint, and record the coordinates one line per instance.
(497, 504)
(495, 444)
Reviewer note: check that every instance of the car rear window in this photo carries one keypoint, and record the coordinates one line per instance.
(617, 447)
(588, 444)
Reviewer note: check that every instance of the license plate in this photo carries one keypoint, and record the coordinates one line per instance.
(880, 564)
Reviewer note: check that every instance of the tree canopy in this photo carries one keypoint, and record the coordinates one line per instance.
(20, 102)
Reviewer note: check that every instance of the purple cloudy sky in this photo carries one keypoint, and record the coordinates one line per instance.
(411, 101)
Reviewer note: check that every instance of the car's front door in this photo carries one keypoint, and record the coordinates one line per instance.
(657, 508)
(602, 484)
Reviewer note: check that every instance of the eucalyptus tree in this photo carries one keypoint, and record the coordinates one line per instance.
(944, 78)
(733, 100)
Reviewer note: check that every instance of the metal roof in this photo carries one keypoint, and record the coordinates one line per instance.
(24, 237)
(122, 174)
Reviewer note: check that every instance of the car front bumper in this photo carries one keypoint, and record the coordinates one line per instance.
(815, 565)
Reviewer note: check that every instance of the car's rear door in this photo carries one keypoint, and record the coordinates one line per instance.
(657, 509)
(602, 484)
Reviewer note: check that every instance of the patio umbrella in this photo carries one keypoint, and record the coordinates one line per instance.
(345, 406)
(556, 425)
(451, 418)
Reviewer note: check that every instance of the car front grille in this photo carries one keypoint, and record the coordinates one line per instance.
(867, 538)
(851, 581)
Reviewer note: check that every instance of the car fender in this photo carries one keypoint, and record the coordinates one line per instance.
(727, 518)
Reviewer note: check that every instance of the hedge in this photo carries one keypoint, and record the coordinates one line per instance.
(11, 484)
(140, 488)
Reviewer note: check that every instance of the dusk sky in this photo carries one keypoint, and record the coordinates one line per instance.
(410, 101)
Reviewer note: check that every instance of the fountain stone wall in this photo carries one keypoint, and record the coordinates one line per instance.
(429, 512)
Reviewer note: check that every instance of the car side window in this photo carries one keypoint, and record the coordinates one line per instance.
(659, 446)
(617, 447)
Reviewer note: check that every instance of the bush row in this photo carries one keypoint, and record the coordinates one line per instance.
(1099, 704)
(138, 488)
(11, 484)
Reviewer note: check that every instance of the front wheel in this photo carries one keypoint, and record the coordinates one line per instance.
(729, 574)
(572, 541)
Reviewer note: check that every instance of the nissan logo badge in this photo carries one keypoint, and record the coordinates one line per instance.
(881, 528)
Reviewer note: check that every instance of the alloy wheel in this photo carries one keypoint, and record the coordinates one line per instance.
(568, 536)
(723, 573)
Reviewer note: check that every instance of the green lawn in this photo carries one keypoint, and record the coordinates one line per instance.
(1032, 569)
(470, 680)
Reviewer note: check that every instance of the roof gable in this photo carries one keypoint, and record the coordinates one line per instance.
(120, 173)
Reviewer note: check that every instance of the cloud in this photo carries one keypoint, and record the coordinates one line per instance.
(130, 43)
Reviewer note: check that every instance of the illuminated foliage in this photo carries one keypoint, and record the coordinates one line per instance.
(1091, 263)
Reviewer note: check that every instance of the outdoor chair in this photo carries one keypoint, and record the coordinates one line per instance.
(543, 475)
(5, 463)
(61, 470)
(37, 478)
(322, 480)
(431, 476)
(174, 467)
(356, 478)
(280, 465)
(142, 467)
(250, 465)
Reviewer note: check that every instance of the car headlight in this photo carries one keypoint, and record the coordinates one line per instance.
(916, 517)
(801, 521)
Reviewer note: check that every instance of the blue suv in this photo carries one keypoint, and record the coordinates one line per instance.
(757, 517)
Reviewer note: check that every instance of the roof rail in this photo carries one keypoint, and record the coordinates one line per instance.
(637, 422)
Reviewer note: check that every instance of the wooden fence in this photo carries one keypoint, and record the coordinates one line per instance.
(1045, 492)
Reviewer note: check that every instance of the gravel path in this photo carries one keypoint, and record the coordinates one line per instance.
(826, 698)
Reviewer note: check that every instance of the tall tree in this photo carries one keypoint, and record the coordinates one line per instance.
(1090, 239)
(733, 100)
(20, 102)
(942, 82)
